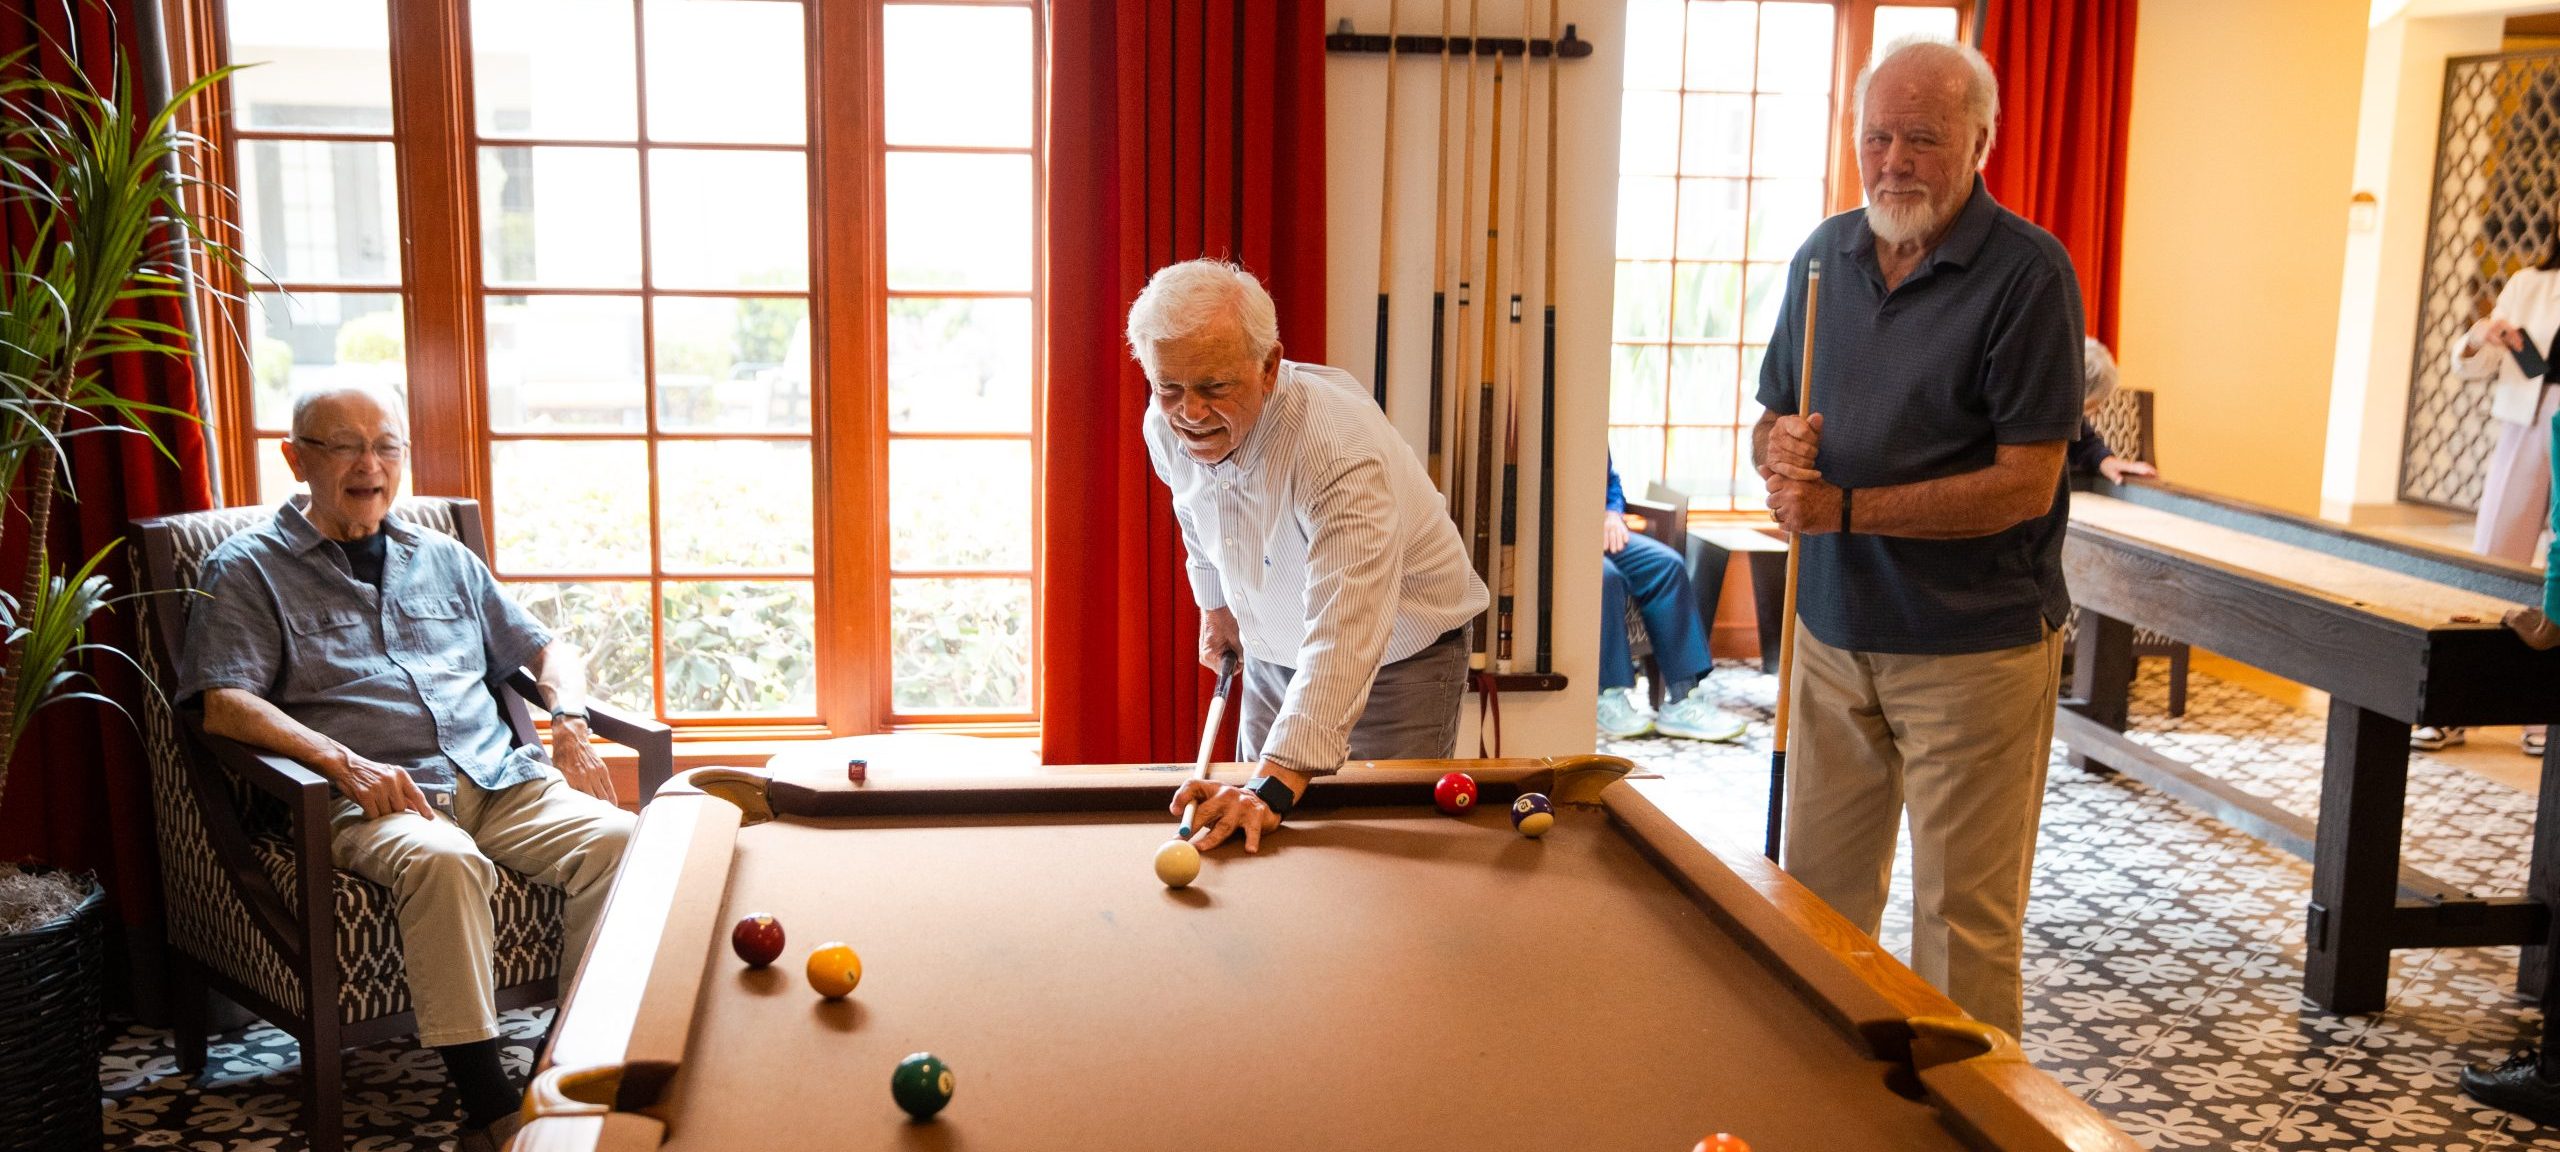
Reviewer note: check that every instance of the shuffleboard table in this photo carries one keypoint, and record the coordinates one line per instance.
(1380, 976)
(2398, 634)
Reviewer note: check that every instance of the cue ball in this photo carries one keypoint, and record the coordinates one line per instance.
(1455, 793)
(834, 969)
(757, 940)
(921, 1085)
(1722, 1142)
(1532, 815)
(1177, 863)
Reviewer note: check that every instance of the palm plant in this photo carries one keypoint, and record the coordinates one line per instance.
(101, 187)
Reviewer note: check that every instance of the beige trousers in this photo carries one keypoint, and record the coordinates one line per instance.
(1964, 740)
(441, 874)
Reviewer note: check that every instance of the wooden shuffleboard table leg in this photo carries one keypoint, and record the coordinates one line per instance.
(2534, 969)
(2355, 862)
(2102, 668)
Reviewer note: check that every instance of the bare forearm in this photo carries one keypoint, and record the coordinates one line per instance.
(235, 714)
(2019, 486)
(1760, 438)
(562, 671)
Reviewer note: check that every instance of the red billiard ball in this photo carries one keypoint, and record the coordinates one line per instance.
(757, 939)
(857, 770)
(1722, 1142)
(1455, 794)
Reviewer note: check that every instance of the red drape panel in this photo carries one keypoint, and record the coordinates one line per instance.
(2066, 94)
(1178, 129)
(79, 793)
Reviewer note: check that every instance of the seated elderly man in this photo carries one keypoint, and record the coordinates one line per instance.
(358, 646)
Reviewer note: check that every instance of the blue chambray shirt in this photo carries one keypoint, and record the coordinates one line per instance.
(398, 675)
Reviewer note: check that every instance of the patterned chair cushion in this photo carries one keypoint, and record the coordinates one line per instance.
(371, 979)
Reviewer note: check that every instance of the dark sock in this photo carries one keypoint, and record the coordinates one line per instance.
(1678, 690)
(487, 1095)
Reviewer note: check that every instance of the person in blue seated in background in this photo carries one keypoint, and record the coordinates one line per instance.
(1658, 578)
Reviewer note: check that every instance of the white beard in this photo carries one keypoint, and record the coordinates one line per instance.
(1903, 225)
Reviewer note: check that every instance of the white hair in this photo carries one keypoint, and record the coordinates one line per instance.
(2097, 371)
(1981, 88)
(1199, 297)
(310, 398)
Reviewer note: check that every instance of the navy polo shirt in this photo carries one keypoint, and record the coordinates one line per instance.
(1978, 347)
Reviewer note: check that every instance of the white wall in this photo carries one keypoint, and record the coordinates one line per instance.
(1535, 724)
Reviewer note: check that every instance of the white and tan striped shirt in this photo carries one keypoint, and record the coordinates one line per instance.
(1324, 536)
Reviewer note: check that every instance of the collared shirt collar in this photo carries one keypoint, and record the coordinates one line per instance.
(294, 521)
(1963, 241)
(1246, 460)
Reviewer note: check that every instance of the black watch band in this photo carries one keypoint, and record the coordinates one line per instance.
(1845, 493)
(1275, 794)
(559, 714)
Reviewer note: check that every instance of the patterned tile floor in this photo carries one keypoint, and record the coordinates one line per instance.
(2163, 965)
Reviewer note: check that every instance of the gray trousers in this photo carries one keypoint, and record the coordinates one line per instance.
(1412, 713)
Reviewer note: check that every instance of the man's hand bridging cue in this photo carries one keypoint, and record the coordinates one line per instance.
(1224, 810)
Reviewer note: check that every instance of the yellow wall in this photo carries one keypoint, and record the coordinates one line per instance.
(2243, 145)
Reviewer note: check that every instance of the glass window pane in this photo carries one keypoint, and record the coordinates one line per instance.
(1783, 214)
(960, 645)
(314, 211)
(1653, 44)
(959, 504)
(959, 365)
(1702, 383)
(565, 362)
(275, 478)
(742, 648)
(609, 622)
(1648, 134)
(554, 69)
(322, 65)
(570, 506)
(1644, 217)
(1701, 465)
(1637, 453)
(957, 75)
(1794, 137)
(1795, 47)
(1643, 300)
(1711, 219)
(1752, 355)
(1764, 289)
(733, 363)
(728, 219)
(1706, 301)
(726, 72)
(310, 340)
(560, 217)
(1896, 22)
(1635, 383)
(959, 221)
(1715, 136)
(1720, 42)
(735, 504)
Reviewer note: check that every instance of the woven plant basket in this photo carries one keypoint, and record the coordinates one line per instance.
(51, 984)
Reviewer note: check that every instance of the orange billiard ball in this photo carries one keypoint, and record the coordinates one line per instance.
(834, 969)
(757, 940)
(1722, 1142)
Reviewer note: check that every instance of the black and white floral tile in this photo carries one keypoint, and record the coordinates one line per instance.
(2164, 962)
(2164, 950)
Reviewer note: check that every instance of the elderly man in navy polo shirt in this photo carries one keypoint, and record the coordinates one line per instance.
(1927, 484)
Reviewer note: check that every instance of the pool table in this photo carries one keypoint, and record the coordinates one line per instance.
(1381, 976)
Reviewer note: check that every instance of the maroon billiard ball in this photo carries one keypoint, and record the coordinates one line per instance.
(1455, 794)
(857, 770)
(757, 939)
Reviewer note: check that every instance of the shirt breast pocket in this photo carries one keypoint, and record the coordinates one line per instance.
(442, 629)
(333, 647)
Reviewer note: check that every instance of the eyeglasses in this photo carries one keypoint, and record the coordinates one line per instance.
(387, 451)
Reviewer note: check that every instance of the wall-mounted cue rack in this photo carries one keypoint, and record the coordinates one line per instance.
(1479, 471)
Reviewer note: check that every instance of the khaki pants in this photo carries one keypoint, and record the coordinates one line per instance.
(1965, 740)
(441, 873)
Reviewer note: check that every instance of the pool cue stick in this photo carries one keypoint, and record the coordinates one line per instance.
(1440, 267)
(1209, 739)
(1386, 212)
(1502, 659)
(1787, 609)
(1458, 469)
(1486, 558)
(1547, 351)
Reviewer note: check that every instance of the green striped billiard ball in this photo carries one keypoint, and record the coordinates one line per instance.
(1532, 815)
(922, 1085)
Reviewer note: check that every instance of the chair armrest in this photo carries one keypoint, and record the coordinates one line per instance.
(654, 741)
(289, 923)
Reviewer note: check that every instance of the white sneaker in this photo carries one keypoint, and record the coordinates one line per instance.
(2427, 738)
(1697, 718)
(1620, 716)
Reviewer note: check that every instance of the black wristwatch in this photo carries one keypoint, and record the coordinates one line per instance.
(1275, 794)
(560, 714)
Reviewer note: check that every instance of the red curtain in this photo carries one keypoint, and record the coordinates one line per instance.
(2066, 94)
(79, 792)
(1178, 129)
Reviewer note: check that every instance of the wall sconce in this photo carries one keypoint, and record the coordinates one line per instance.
(2363, 212)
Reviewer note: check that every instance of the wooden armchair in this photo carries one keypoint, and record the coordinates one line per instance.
(1665, 518)
(313, 949)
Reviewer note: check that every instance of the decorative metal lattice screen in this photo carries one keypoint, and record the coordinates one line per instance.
(2497, 187)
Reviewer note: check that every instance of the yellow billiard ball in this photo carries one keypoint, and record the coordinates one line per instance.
(834, 970)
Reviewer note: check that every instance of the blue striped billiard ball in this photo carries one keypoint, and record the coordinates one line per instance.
(1532, 815)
